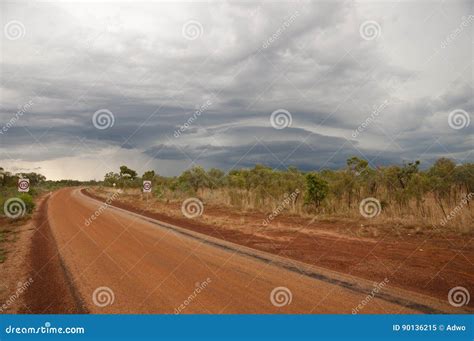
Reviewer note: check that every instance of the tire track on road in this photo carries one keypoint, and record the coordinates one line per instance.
(52, 290)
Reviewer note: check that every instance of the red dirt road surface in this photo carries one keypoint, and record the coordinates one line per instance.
(120, 262)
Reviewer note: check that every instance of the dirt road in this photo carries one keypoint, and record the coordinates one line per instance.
(114, 261)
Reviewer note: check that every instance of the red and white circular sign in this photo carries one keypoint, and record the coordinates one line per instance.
(146, 186)
(23, 185)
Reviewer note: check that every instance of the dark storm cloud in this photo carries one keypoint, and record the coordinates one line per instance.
(250, 59)
(307, 155)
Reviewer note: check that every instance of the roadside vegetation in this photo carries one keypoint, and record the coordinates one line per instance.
(22, 204)
(438, 197)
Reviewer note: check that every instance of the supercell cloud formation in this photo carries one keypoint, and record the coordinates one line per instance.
(175, 84)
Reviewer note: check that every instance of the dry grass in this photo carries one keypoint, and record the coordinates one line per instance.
(410, 219)
(426, 213)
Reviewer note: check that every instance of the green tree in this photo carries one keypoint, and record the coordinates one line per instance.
(356, 174)
(356, 165)
(406, 172)
(35, 178)
(194, 178)
(316, 189)
(126, 172)
(441, 178)
(215, 177)
(464, 177)
(111, 178)
(148, 175)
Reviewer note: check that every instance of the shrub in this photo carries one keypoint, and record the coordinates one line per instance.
(316, 189)
(25, 197)
(28, 200)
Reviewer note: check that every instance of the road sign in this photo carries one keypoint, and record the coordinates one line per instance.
(146, 186)
(23, 185)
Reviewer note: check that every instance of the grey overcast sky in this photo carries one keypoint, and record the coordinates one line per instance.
(166, 85)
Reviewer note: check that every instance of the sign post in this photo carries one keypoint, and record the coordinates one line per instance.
(23, 185)
(146, 188)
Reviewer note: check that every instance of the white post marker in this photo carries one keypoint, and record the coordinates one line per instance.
(23, 185)
(146, 186)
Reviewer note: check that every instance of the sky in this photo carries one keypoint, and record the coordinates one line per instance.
(167, 85)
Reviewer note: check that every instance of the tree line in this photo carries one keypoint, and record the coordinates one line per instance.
(38, 184)
(402, 190)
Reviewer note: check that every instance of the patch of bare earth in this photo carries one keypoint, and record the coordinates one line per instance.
(51, 290)
(15, 244)
(33, 278)
(424, 261)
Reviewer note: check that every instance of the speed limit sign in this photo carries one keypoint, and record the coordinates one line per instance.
(146, 186)
(23, 185)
